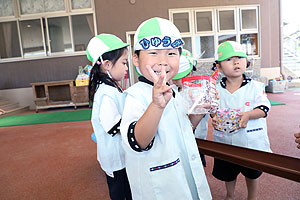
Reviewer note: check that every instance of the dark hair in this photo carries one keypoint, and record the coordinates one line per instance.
(97, 73)
(218, 62)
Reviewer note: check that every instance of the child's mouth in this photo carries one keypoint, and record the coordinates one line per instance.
(159, 72)
(236, 68)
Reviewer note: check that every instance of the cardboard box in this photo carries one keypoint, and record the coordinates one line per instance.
(82, 82)
(276, 86)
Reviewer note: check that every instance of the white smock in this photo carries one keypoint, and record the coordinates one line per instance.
(171, 168)
(247, 97)
(107, 109)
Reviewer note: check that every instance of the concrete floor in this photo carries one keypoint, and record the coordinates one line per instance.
(58, 161)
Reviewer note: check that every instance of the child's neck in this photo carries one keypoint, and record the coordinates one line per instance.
(234, 83)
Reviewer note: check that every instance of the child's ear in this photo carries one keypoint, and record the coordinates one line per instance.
(135, 60)
(107, 65)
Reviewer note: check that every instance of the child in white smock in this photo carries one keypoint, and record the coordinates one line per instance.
(237, 91)
(162, 158)
(187, 65)
(109, 57)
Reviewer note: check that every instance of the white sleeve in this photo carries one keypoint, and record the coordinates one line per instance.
(133, 110)
(109, 114)
(261, 100)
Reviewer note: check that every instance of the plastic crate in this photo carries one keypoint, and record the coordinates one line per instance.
(82, 82)
(276, 86)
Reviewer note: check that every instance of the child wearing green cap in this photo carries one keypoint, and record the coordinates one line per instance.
(162, 158)
(237, 91)
(108, 55)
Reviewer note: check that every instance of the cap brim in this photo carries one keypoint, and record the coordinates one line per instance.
(181, 75)
(238, 54)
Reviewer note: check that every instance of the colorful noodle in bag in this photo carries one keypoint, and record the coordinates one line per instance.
(227, 121)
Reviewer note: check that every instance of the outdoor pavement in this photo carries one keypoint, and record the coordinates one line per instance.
(58, 161)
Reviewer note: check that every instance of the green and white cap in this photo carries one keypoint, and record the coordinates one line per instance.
(186, 64)
(229, 49)
(157, 33)
(101, 44)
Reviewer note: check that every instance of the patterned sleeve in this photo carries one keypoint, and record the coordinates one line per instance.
(109, 116)
(261, 101)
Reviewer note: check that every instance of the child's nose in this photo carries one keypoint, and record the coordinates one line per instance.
(236, 61)
(162, 60)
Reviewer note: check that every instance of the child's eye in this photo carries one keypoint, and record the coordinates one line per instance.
(228, 59)
(172, 54)
(152, 52)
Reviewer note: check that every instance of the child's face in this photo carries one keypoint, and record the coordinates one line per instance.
(119, 69)
(169, 58)
(233, 67)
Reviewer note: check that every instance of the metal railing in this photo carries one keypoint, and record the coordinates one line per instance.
(275, 164)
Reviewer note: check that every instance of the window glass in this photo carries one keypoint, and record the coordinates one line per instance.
(250, 43)
(205, 46)
(9, 40)
(249, 19)
(181, 21)
(226, 19)
(83, 30)
(31, 36)
(79, 4)
(6, 8)
(32, 6)
(187, 43)
(204, 21)
(223, 38)
(59, 33)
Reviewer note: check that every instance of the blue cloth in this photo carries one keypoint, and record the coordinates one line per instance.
(93, 136)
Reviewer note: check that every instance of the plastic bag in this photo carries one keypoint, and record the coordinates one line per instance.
(227, 121)
(199, 93)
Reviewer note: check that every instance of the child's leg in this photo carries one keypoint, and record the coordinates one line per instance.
(252, 185)
(119, 186)
(251, 177)
(230, 186)
(227, 172)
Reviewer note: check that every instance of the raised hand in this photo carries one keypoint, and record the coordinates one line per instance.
(162, 93)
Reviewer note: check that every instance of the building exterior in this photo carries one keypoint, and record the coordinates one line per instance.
(46, 40)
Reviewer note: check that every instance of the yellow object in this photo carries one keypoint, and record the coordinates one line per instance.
(82, 82)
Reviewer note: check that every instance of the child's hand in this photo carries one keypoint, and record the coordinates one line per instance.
(297, 140)
(244, 119)
(162, 93)
(214, 121)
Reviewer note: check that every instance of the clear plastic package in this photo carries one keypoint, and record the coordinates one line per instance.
(199, 93)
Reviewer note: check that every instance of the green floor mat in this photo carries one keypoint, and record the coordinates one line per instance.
(45, 118)
(274, 103)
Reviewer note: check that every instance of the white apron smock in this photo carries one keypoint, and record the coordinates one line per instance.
(110, 153)
(247, 97)
(172, 168)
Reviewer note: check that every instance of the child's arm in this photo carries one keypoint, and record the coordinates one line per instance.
(261, 107)
(297, 140)
(195, 119)
(146, 126)
(253, 114)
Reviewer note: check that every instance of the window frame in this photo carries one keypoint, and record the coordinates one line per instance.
(69, 12)
(216, 32)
